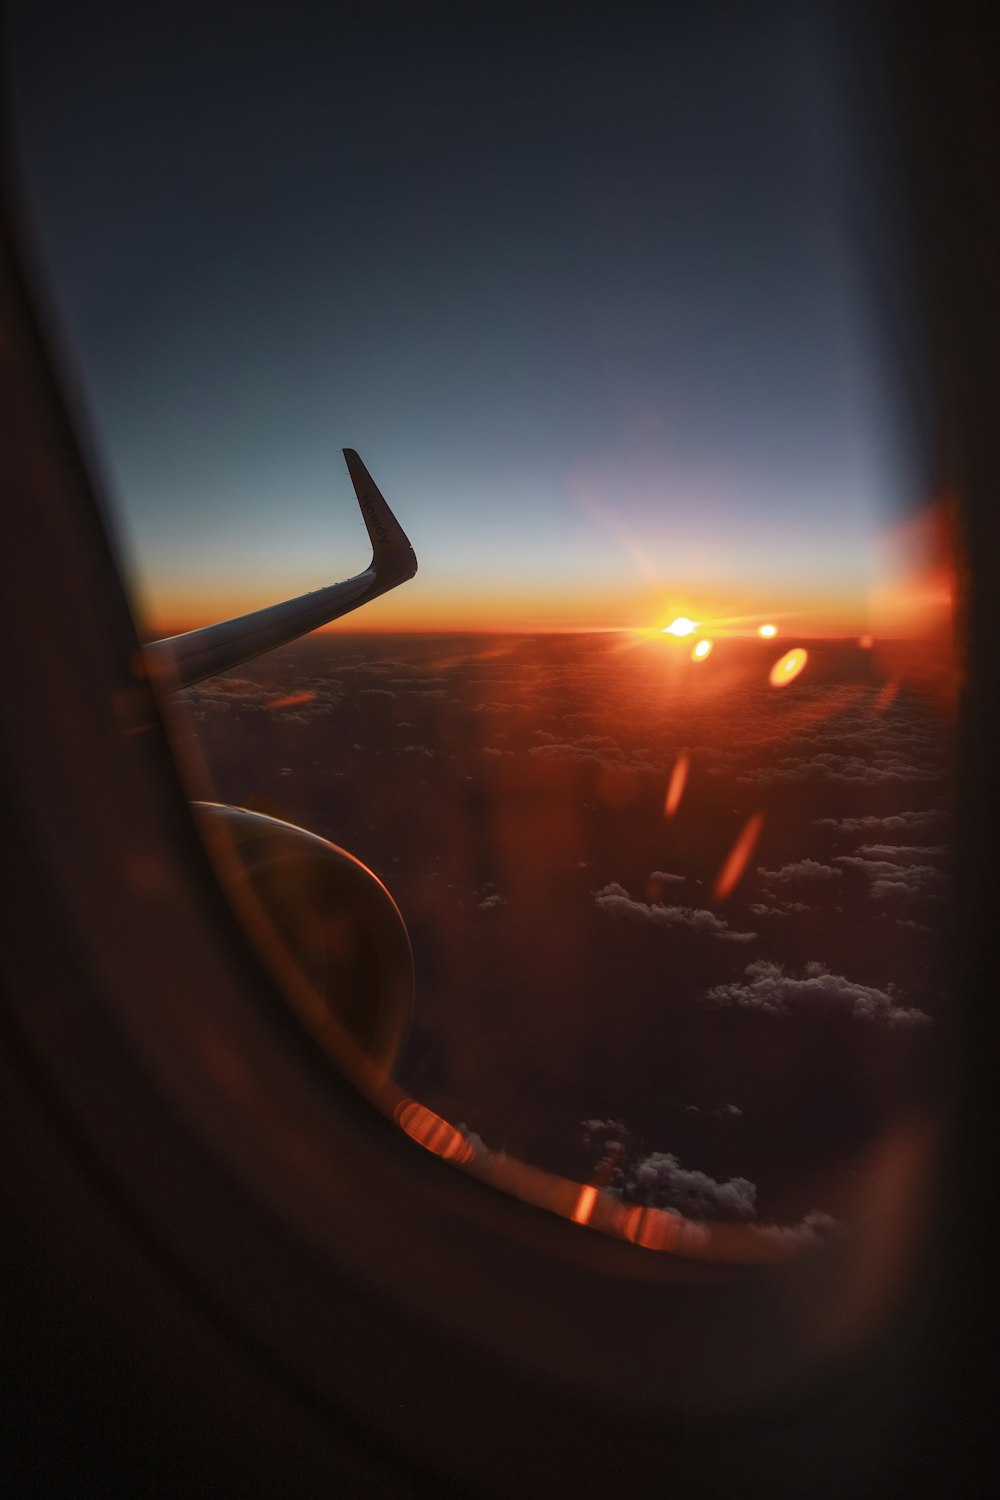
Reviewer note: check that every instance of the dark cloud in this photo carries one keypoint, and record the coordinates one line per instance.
(591, 754)
(904, 822)
(816, 1228)
(771, 991)
(905, 854)
(852, 770)
(903, 870)
(615, 899)
(778, 909)
(803, 869)
(659, 1181)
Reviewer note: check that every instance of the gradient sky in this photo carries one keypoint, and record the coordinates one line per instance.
(609, 303)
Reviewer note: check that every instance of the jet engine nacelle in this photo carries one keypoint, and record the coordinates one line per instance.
(327, 927)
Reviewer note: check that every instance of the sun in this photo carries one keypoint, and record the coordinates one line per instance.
(681, 626)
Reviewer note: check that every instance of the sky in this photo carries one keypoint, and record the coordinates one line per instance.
(612, 303)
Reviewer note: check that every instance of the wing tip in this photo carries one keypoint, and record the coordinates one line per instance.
(392, 551)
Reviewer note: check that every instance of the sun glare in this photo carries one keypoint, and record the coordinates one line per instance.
(767, 631)
(681, 626)
(703, 649)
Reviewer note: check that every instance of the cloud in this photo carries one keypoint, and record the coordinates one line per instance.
(475, 1140)
(604, 754)
(770, 991)
(903, 870)
(904, 822)
(615, 899)
(781, 909)
(803, 869)
(489, 902)
(815, 1229)
(852, 770)
(719, 1111)
(663, 876)
(659, 1181)
(903, 854)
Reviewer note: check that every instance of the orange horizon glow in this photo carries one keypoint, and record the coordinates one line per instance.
(911, 597)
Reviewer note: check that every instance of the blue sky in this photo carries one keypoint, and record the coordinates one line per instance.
(601, 300)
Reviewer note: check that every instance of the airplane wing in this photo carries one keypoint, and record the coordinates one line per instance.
(180, 660)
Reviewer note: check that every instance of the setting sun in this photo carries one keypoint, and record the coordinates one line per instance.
(767, 630)
(681, 626)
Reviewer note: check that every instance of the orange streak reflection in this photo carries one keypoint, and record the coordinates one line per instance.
(433, 1133)
(675, 789)
(584, 1205)
(653, 1228)
(290, 700)
(739, 857)
(788, 667)
(887, 695)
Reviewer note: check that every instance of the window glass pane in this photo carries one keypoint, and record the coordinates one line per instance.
(654, 752)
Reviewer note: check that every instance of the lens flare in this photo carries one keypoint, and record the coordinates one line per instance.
(675, 788)
(767, 631)
(788, 667)
(703, 649)
(434, 1134)
(733, 870)
(681, 626)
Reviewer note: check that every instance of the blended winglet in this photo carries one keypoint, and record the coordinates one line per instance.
(181, 660)
(391, 550)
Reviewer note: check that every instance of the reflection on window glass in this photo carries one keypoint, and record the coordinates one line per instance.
(653, 754)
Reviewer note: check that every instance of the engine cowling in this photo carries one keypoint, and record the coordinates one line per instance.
(325, 925)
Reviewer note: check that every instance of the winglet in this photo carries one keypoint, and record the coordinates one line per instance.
(392, 554)
(181, 660)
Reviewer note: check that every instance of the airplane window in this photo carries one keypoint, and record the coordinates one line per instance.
(644, 776)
